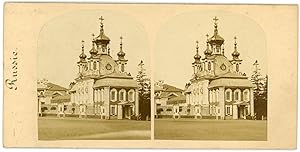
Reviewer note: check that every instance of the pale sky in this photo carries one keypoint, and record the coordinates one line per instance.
(173, 49)
(176, 42)
(59, 43)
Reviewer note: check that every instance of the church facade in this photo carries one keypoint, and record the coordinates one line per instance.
(103, 87)
(218, 87)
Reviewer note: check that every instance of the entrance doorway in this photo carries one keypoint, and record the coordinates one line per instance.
(241, 112)
(127, 111)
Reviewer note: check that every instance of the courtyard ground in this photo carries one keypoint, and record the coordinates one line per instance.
(209, 129)
(50, 128)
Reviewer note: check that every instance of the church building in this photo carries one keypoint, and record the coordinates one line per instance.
(103, 87)
(218, 87)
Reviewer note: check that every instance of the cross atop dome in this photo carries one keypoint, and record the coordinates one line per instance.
(215, 19)
(82, 43)
(235, 38)
(101, 40)
(101, 20)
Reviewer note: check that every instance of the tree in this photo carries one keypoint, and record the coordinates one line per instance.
(144, 87)
(260, 91)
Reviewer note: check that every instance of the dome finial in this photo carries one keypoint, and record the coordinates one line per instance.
(207, 37)
(207, 52)
(101, 23)
(121, 54)
(197, 46)
(121, 42)
(82, 56)
(216, 24)
(93, 51)
(82, 45)
(197, 57)
(235, 53)
(93, 41)
(235, 42)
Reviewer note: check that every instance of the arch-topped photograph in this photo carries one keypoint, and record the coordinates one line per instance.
(220, 85)
(104, 77)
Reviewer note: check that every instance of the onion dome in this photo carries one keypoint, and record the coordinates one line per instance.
(121, 54)
(216, 38)
(93, 51)
(82, 56)
(207, 52)
(101, 38)
(235, 53)
(197, 57)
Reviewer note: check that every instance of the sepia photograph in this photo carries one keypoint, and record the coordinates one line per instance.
(222, 95)
(92, 79)
(175, 76)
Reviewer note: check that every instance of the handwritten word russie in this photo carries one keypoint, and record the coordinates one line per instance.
(11, 82)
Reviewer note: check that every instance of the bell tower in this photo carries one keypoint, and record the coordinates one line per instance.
(197, 63)
(235, 58)
(121, 57)
(102, 40)
(82, 63)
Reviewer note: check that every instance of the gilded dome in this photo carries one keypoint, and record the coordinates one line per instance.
(93, 51)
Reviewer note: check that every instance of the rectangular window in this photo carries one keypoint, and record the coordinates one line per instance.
(228, 110)
(112, 110)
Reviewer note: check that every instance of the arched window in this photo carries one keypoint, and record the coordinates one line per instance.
(113, 95)
(209, 66)
(237, 67)
(122, 95)
(228, 95)
(246, 95)
(122, 67)
(131, 95)
(95, 65)
(237, 95)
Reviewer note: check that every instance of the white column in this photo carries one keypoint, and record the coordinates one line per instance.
(234, 112)
(106, 102)
(137, 102)
(120, 110)
(221, 102)
(39, 106)
(251, 102)
(95, 95)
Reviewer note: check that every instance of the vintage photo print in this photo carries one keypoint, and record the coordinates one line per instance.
(223, 93)
(95, 75)
(92, 81)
